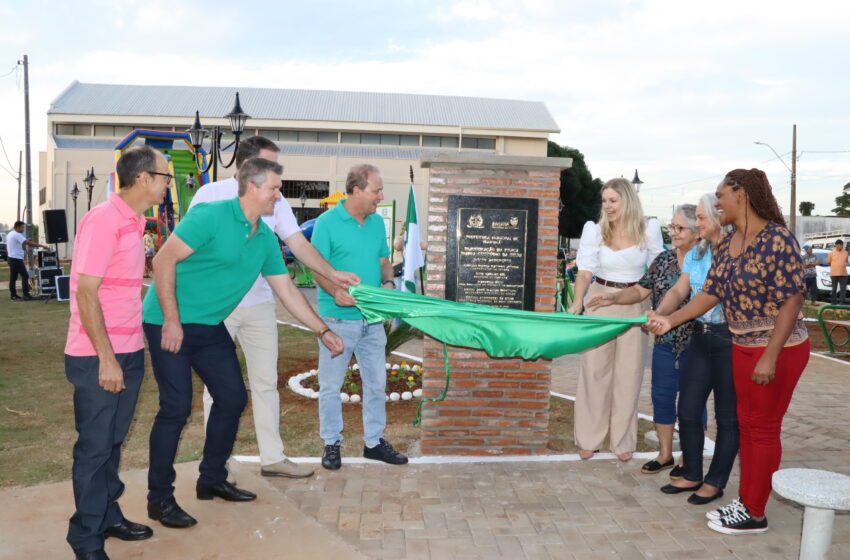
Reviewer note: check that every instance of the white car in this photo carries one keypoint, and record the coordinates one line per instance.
(824, 279)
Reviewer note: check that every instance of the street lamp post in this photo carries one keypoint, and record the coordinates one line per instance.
(197, 134)
(89, 182)
(636, 182)
(792, 212)
(75, 192)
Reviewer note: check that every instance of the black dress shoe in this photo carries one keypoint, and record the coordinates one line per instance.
(95, 555)
(126, 530)
(332, 458)
(698, 500)
(384, 452)
(225, 491)
(677, 472)
(670, 489)
(170, 514)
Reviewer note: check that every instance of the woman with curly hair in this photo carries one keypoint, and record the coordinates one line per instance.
(757, 276)
(613, 255)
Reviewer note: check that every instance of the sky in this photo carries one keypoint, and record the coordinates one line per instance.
(678, 91)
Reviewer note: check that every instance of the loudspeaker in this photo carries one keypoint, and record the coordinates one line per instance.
(63, 288)
(55, 226)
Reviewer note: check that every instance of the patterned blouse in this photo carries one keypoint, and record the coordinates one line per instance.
(753, 286)
(660, 277)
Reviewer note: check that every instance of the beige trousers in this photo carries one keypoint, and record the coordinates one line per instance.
(609, 382)
(255, 328)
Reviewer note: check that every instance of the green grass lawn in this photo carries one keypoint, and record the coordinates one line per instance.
(37, 422)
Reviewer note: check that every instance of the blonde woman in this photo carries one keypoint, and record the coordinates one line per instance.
(613, 255)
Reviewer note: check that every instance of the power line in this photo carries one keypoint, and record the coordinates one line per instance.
(15, 67)
(5, 154)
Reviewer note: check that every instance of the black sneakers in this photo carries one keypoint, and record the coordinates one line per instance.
(332, 459)
(384, 452)
(17, 298)
(739, 522)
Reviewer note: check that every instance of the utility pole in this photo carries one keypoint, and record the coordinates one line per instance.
(793, 221)
(27, 143)
(20, 168)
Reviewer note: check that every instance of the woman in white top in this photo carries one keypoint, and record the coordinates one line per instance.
(613, 255)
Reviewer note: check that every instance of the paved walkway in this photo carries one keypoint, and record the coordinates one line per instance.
(571, 510)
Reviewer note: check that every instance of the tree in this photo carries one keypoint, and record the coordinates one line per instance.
(581, 194)
(842, 202)
(806, 208)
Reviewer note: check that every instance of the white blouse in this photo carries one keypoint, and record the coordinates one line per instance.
(625, 265)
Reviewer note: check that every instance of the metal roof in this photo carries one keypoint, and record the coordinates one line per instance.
(286, 148)
(306, 105)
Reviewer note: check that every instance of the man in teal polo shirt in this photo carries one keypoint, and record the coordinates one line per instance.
(200, 275)
(352, 237)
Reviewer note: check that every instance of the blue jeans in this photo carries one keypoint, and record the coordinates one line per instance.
(708, 369)
(368, 343)
(102, 420)
(666, 376)
(209, 350)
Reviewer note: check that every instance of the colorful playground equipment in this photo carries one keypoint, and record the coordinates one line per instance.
(178, 151)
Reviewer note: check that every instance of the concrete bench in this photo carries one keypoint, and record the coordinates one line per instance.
(821, 492)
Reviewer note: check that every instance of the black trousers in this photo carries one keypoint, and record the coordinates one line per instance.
(17, 268)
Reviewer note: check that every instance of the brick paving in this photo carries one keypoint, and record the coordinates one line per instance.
(595, 509)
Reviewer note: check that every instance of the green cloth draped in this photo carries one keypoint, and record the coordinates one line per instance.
(500, 332)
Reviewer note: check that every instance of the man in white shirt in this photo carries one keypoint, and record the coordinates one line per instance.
(254, 323)
(15, 243)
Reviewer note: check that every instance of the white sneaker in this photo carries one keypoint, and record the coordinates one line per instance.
(716, 514)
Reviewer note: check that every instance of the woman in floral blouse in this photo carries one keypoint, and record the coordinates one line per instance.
(668, 355)
(757, 276)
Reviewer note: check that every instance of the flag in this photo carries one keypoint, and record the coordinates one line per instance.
(413, 258)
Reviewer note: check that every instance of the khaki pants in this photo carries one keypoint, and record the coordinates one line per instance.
(609, 382)
(255, 328)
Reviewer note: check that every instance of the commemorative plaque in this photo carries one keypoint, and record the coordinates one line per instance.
(492, 251)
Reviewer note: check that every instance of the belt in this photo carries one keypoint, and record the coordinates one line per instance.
(610, 284)
(702, 327)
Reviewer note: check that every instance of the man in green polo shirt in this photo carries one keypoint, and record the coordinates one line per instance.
(352, 237)
(200, 275)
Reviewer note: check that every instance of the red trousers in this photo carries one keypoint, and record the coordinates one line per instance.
(760, 412)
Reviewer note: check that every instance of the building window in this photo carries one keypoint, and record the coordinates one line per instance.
(479, 143)
(328, 137)
(315, 190)
(350, 138)
(439, 141)
(73, 129)
(42, 196)
(370, 138)
(408, 139)
(270, 134)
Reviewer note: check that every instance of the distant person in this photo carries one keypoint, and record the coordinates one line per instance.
(810, 263)
(352, 237)
(150, 250)
(837, 260)
(15, 244)
(104, 354)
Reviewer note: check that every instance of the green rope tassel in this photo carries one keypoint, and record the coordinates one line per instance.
(445, 389)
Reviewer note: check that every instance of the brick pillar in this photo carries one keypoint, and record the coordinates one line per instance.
(494, 406)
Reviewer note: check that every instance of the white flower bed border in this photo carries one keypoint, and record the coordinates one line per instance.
(295, 386)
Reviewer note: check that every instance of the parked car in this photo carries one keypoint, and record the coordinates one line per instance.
(4, 252)
(824, 279)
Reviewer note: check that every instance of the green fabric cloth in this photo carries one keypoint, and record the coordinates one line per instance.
(348, 245)
(501, 333)
(226, 261)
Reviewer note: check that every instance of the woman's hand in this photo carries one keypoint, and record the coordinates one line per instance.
(657, 324)
(764, 371)
(600, 301)
(576, 307)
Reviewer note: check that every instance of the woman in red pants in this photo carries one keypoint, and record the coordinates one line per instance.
(757, 276)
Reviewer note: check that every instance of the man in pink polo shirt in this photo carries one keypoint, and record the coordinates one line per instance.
(104, 353)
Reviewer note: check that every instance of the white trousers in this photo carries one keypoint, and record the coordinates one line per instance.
(255, 328)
